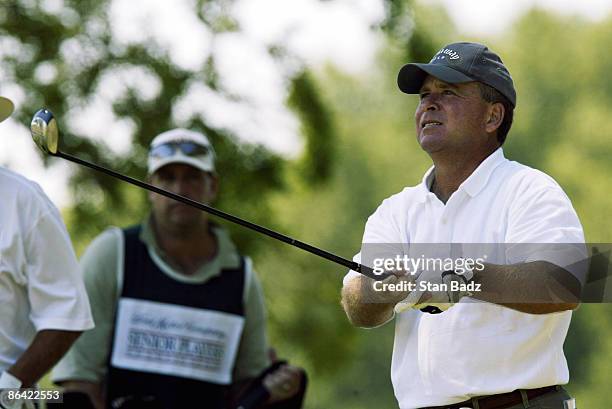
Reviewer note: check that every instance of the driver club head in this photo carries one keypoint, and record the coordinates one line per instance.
(44, 131)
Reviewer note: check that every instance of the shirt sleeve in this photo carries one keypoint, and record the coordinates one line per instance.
(87, 359)
(381, 237)
(55, 288)
(252, 357)
(543, 226)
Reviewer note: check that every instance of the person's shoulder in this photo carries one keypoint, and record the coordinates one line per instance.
(18, 184)
(222, 236)
(394, 210)
(408, 196)
(111, 234)
(524, 178)
(27, 193)
(106, 244)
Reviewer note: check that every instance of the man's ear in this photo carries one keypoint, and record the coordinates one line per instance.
(495, 117)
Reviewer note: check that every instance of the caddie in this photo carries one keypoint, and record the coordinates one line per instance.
(180, 311)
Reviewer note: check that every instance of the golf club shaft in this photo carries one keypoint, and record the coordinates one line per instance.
(366, 271)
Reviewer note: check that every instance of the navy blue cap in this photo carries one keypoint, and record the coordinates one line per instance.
(457, 63)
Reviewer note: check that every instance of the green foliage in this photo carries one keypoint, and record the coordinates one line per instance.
(349, 367)
(416, 29)
(304, 99)
(561, 116)
(248, 173)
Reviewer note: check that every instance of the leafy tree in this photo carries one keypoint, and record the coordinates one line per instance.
(76, 49)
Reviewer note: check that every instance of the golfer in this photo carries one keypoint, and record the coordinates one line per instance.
(501, 347)
(44, 303)
(180, 312)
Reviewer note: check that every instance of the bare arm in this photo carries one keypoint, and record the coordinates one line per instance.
(83, 368)
(366, 307)
(47, 347)
(537, 287)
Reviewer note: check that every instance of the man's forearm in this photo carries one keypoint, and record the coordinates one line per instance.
(361, 311)
(536, 288)
(45, 350)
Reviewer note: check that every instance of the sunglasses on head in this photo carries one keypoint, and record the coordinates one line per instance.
(166, 150)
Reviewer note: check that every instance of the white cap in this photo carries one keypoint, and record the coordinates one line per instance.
(204, 162)
(6, 108)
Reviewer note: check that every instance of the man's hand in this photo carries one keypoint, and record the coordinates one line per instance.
(391, 290)
(456, 284)
(426, 296)
(283, 383)
(434, 292)
(365, 306)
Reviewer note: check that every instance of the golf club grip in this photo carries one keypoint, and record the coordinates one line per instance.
(366, 271)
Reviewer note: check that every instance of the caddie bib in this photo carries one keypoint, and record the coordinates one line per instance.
(173, 340)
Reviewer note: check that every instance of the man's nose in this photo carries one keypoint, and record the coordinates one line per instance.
(428, 105)
(178, 186)
(431, 103)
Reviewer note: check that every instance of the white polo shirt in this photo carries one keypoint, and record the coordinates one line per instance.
(478, 348)
(40, 284)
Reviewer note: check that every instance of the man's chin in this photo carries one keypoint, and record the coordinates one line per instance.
(185, 219)
(431, 146)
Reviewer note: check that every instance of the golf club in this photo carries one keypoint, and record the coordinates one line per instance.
(45, 133)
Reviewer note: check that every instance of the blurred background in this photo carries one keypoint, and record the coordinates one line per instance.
(299, 99)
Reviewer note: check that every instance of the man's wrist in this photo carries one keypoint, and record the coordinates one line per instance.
(466, 272)
(9, 383)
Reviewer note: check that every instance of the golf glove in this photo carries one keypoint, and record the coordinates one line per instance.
(9, 383)
(436, 292)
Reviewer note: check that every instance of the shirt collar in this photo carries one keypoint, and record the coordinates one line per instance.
(478, 179)
(426, 184)
(474, 183)
(226, 258)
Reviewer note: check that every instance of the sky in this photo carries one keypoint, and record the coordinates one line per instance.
(317, 32)
(492, 17)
